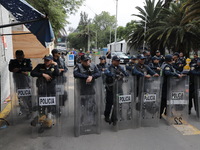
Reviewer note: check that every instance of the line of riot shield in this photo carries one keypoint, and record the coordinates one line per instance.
(20, 97)
(197, 96)
(87, 99)
(62, 91)
(124, 109)
(103, 92)
(177, 100)
(149, 100)
(46, 108)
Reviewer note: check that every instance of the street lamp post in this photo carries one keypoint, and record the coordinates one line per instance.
(116, 24)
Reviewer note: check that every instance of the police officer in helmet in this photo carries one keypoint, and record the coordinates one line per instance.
(46, 83)
(21, 68)
(167, 71)
(115, 72)
(88, 72)
(130, 65)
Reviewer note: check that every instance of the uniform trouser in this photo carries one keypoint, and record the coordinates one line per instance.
(88, 110)
(109, 104)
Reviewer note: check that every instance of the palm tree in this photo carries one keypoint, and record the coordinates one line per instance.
(174, 33)
(149, 16)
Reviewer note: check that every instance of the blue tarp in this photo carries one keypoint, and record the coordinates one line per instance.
(23, 12)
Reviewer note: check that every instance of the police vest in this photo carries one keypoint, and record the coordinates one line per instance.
(142, 68)
(86, 71)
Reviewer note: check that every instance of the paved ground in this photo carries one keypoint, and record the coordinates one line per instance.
(163, 137)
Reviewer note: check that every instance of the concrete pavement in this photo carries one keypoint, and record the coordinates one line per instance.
(163, 137)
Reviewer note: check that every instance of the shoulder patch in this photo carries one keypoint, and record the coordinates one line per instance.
(167, 68)
(133, 67)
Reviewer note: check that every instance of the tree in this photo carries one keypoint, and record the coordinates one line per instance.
(149, 16)
(174, 33)
(104, 24)
(56, 10)
(83, 33)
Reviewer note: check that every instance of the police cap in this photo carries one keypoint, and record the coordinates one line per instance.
(102, 58)
(168, 58)
(141, 56)
(85, 57)
(116, 58)
(48, 57)
(155, 58)
(157, 51)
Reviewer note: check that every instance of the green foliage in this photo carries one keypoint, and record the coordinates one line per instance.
(56, 10)
(175, 27)
(99, 30)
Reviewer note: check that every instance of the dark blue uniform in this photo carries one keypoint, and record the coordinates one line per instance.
(114, 73)
(154, 67)
(61, 64)
(194, 61)
(103, 67)
(83, 73)
(130, 66)
(178, 65)
(22, 81)
(24, 66)
(142, 70)
(46, 88)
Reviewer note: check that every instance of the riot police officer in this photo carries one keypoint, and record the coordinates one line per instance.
(155, 65)
(147, 55)
(167, 71)
(61, 63)
(141, 69)
(88, 72)
(194, 60)
(115, 72)
(161, 57)
(182, 58)
(195, 71)
(61, 79)
(103, 65)
(21, 68)
(46, 83)
(130, 65)
(177, 64)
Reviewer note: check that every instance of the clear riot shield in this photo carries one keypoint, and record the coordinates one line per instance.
(46, 108)
(125, 103)
(20, 96)
(103, 92)
(149, 100)
(87, 99)
(177, 100)
(62, 92)
(197, 96)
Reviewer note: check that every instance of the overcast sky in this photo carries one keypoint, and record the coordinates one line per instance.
(125, 9)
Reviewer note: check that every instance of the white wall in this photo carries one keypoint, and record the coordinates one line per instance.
(5, 55)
